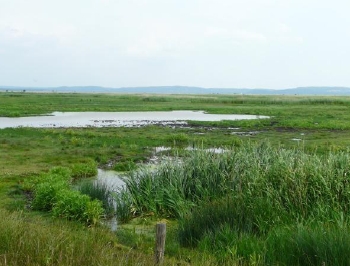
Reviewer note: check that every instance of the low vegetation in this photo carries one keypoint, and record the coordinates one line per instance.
(52, 192)
(28, 240)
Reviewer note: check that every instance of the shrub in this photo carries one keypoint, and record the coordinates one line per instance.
(52, 193)
(72, 205)
(46, 187)
(59, 172)
(45, 195)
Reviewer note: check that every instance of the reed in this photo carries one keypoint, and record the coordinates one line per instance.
(269, 186)
(313, 244)
(247, 191)
(101, 192)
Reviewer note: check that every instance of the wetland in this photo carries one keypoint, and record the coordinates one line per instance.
(269, 191)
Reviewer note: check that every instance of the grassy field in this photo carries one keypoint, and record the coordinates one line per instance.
(310, 131)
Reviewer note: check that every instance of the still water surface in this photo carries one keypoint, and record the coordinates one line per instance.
(116, 119)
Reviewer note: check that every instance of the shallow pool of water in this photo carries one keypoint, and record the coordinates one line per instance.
(116, 119)
(110, 178)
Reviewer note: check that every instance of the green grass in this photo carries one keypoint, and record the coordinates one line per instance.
(314, 244)
(27, 240)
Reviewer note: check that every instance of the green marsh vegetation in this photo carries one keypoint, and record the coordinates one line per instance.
(278, 196)
(255, 202)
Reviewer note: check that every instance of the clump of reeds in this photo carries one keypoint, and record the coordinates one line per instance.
(175, 186)
(99, 191)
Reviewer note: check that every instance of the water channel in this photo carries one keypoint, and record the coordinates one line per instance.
(113, 182)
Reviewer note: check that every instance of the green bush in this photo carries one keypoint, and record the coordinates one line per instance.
(46, 187)
(52, 192)
(45, 195)
(73, 205)
(61, 172)
(52, 176)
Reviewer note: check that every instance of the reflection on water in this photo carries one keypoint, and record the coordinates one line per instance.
(110, 178)
(113, 182)
(116, 119)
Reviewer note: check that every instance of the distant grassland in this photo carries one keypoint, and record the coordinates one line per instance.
(314, 123)
(312, 112)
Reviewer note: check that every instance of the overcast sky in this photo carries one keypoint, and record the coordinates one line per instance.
(208, 43)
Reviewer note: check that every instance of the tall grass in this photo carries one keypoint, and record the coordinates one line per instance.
(272, 186)
(175, 186)
(27, 240)
(289, 181)
(313, 244)
(99, 191)
(245, 194)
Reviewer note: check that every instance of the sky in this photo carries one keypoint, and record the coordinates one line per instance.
(275, 44)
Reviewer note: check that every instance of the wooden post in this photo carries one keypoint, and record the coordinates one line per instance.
(160, 242)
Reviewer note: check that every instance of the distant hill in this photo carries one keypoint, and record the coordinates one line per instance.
(186, 90)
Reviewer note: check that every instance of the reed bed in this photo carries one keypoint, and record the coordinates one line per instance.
(248, 192)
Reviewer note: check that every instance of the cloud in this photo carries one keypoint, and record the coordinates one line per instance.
(283, 28)
(20, 39)
(285, 33)
(235, 35)
(157, 39)
(20, 35)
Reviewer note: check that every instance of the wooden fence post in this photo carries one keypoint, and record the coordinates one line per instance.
(160, 242)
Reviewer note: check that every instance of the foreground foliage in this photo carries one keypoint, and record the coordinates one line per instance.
(52, 192)
(244, 201)
(27, 240)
